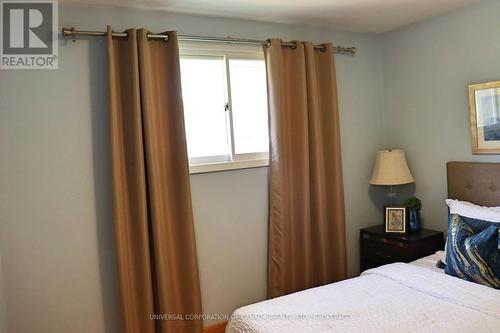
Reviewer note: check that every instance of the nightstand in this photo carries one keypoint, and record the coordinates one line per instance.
(379, 248)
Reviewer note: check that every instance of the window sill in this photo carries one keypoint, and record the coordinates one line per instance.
(227, 166)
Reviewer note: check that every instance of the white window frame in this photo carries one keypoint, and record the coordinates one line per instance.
(226, 52)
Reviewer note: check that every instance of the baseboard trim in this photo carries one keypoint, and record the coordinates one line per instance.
(215, 328)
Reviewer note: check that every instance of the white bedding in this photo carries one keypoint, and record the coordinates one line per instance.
(430, 261)
(392, 298)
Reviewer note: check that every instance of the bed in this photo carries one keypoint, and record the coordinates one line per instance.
(414, 297)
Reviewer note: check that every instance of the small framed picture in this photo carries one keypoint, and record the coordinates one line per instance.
(484, 106)
(395, 219)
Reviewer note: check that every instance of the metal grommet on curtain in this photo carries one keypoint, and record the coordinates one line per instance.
(268, 43)
(323, 48)
(294, 45)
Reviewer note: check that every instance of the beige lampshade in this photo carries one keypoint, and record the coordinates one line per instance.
(391, 168)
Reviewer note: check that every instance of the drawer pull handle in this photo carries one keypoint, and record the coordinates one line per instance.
(384, 255)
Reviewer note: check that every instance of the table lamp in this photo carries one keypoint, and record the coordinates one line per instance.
(391, 169)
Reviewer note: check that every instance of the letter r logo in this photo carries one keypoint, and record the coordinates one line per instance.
(27, 27)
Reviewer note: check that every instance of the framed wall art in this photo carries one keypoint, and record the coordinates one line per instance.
(484, 105)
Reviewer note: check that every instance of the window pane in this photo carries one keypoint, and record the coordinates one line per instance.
(204, 97)
(249, 102)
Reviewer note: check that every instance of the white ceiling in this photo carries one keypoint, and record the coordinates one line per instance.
(374, 16)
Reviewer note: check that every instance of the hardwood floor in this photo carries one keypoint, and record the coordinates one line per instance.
(215, 328)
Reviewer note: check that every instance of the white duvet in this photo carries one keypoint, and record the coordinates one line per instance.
(392, 298)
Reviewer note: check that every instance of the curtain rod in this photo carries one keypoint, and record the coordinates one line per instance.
(72, 32)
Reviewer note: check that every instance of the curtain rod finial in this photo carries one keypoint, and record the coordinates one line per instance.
(69, 32)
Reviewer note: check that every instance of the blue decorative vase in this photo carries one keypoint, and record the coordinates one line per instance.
(414, 220)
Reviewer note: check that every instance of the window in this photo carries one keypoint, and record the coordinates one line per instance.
(225, 106)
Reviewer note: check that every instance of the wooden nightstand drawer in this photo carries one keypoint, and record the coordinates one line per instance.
(390, 242)
(379, 248)
(382, 250)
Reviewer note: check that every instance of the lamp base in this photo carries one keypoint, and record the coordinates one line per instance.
(391, 195)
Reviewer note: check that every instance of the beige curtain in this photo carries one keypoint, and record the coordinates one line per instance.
(306, 213)
(155, 244)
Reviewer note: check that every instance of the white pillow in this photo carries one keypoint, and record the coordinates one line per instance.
(467, 209)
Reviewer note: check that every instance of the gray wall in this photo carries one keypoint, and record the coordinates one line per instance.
(3, 310)
(426, 68)
(55, 220)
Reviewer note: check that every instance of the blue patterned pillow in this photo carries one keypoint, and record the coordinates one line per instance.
(473, 250)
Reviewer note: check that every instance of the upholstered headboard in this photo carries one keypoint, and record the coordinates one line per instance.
(475, 182)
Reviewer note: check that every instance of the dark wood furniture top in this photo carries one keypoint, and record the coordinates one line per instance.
(379, 248)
